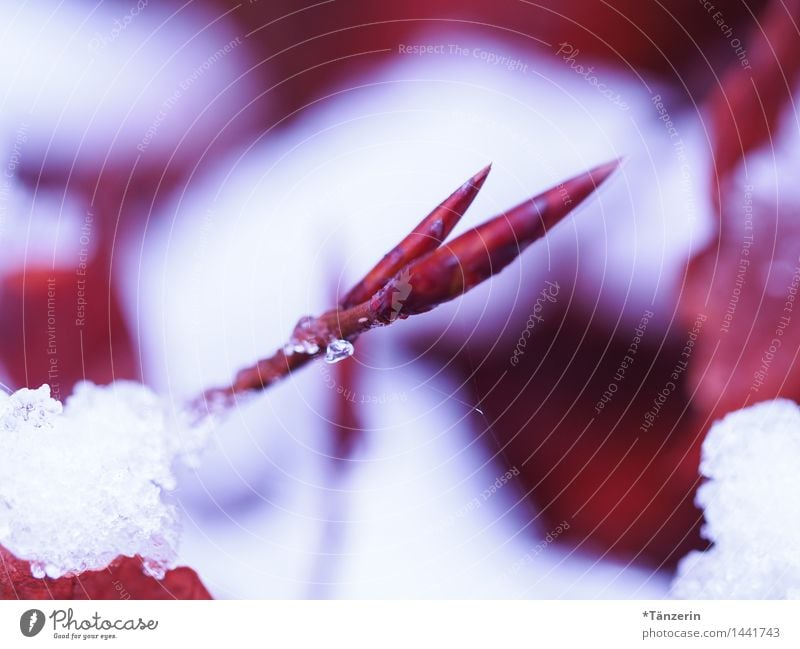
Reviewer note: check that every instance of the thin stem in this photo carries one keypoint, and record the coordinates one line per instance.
(427, 280)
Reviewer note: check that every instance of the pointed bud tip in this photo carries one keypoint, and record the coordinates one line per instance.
(603, 171)
(580, 187)
(478, 179)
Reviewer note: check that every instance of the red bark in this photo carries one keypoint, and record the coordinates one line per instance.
(123, 579)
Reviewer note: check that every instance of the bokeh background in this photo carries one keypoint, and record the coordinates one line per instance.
(182, 181)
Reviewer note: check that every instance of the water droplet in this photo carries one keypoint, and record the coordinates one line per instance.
(338, 350)
(302, 347)
(37, 569)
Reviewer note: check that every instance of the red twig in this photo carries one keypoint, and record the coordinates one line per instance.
(427, 236)
(430, 275)
(484, 251)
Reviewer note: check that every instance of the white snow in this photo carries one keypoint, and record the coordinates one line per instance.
(751, 507)
(90, 95)
(85, 483)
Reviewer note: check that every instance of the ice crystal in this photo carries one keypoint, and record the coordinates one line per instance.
(752, 513)
(338, 350)
(84, 484)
